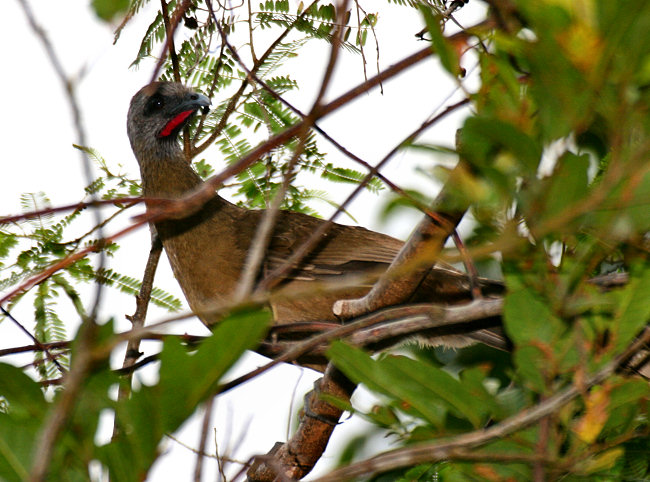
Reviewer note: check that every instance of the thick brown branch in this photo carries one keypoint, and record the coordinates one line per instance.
(317, 422)
(397, 284)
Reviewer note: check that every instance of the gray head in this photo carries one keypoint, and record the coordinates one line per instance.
(158, 112)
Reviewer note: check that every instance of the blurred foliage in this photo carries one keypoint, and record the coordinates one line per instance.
(109, 9)
(30, 247)
(143, 419)
(559, 180)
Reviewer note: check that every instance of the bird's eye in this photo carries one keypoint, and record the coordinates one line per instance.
(154, 104)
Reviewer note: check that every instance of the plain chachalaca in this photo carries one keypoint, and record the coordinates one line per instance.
(207, 250)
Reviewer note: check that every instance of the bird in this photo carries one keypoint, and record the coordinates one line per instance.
(207, 249)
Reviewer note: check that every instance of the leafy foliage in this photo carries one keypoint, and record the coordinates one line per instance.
(555, 166)
(42, 241)
(108, 9)
(143, 419)
(558, 84)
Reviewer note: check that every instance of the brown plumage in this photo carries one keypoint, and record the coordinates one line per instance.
(207, 250)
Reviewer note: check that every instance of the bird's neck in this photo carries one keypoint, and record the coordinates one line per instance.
(165, 171)
(206, 249)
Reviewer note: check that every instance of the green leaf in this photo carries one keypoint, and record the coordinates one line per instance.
(633, 311)
(239, 332)
(527, 318)
(569, 49)
(482, 138)
(23, 394)
(568, 184)
(629, 391)
(602, 461)
(26, 409)
(446, 53)
(7, 241)
(16, 440)
(531, 365)
(185, 381)
(108, 9)
(131, 286)
(412, 382)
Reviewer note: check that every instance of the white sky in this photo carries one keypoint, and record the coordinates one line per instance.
(37, 135)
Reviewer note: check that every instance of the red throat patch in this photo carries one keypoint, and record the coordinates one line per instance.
(174, 123)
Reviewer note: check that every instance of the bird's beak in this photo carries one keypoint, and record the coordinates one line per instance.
(192, 102)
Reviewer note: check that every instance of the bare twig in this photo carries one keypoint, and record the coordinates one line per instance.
(205, 429)
(294, 459)
(274, 277)
(69, 86)
(541, 448)
(57, 419)
(68, 207)
(169, 32)
(138, 318)
(173, 24)
(142, 302)
(39, 346)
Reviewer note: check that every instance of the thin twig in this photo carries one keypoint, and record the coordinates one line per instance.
(169, 32)
(138, 319)
(69, 207)
(275, 276)
(173, 24)
(205, 429)
(230, 108)
(81, 363)
(39, 346)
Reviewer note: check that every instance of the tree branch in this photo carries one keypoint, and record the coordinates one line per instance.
(397, 284)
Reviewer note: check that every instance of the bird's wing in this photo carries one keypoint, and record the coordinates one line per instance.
(343, 250)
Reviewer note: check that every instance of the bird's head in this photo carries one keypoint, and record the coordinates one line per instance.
(157, 114)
